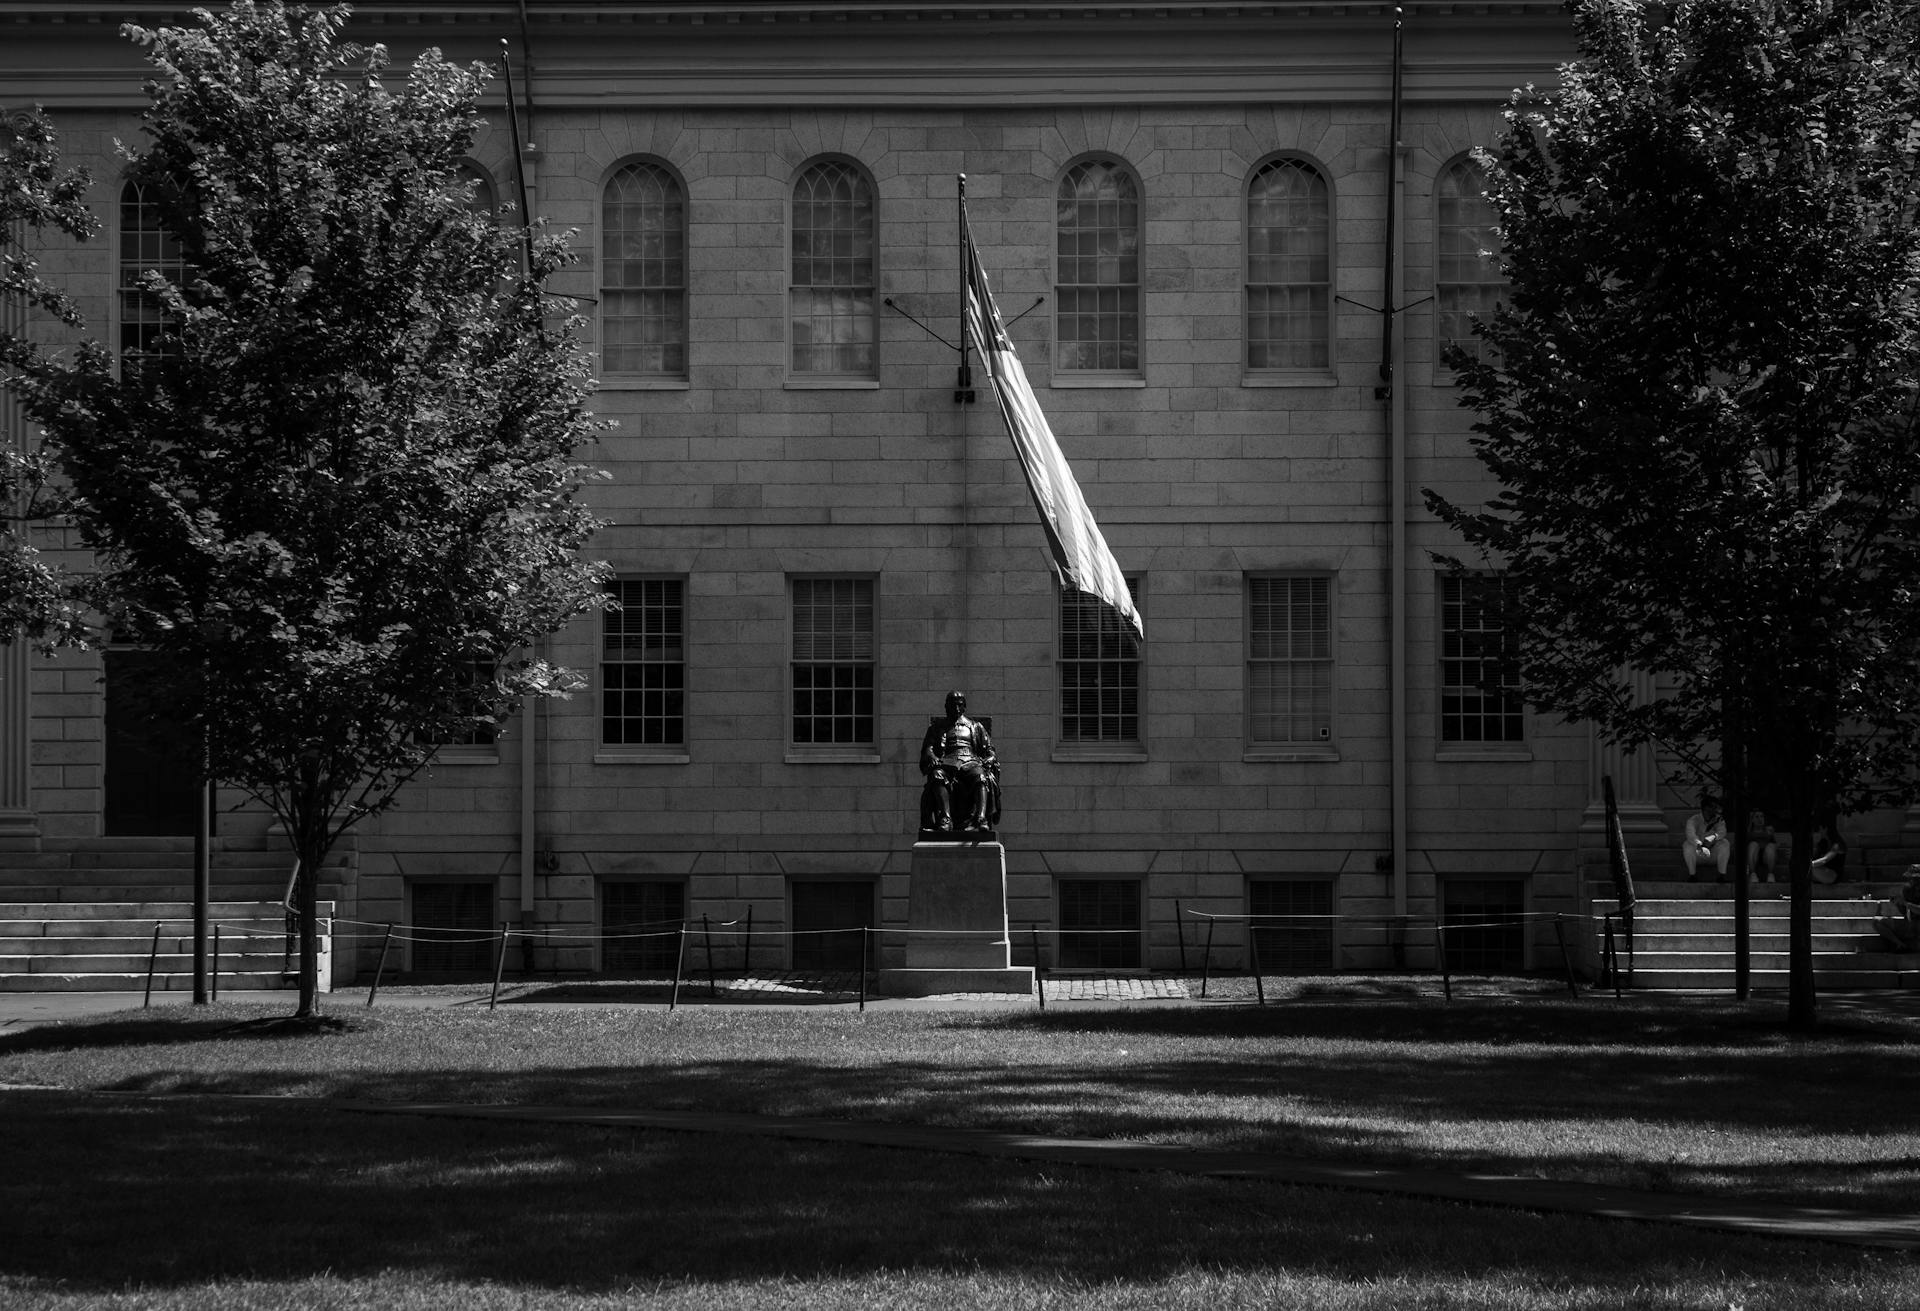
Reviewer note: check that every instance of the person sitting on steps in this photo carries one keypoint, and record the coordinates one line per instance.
(1706, 839)
(1898, 922)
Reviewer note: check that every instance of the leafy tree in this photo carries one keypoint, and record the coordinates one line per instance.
(36, 195)
(344, 478)
(1701, 408)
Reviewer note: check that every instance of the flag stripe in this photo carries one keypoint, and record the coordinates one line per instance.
(1080, 554)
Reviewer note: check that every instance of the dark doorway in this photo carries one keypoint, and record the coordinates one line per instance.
(151, 784)
(824, 917)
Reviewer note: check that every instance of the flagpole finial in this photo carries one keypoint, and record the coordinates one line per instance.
(963, 183)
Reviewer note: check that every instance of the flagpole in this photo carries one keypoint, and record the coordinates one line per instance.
(963, 392)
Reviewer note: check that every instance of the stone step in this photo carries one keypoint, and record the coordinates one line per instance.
(118, 935)
(175, 957)
(76, 893)
(149, 911)
(136, 982)
(143, 873)
(1769, 960)
(1723, 943)
(1770, 980)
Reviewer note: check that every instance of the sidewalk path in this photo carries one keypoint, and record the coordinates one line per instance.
(1765, 1219)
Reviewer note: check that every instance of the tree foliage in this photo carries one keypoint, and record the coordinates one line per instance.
(1702, 405)
(37, 196)
(344, 480)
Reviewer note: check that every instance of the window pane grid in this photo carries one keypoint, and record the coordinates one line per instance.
(1304, 946)
(1289, 660)
(643, 664)
(1099, 671)
(1479, 678)
(833, 661)
(1099, 924)
(642, 922)
(643, 294)
(453, 927)
(144, 248)
(1467, 282)
(1097, 271)
(832, 295)
(1289, 294)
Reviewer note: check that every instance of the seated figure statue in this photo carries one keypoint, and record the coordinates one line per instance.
(962, 793)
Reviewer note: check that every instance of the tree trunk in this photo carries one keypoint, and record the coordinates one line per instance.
(312, 857)
(1800, 994)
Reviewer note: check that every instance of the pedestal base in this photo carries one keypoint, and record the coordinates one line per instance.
(957, 924)
(1015, 980)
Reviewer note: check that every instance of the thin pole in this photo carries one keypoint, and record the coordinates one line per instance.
(499, 966)
(746, 947)
(1180, 934)
(202, 876)
(1253, 948)
(519, 164)
(963, 382)
(865, 943)
(1039, 978)
(679, 965)
(1440, 943)
(213, 977)
(706, 937)
(153, 959)
(379, 969)
(1206, 957)
(1560, 932)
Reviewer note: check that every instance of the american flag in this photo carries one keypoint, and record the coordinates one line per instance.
(1080, 554)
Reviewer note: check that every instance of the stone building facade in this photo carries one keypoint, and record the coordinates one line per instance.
(815, 541)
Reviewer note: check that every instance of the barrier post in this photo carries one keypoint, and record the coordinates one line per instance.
(746, 945)
(153, 958)
(1610, 959)
(1560, 932)
(1039, 977)
(213, 980)
(379, 969)
(1253, 950)
(499, 967)
(679, 964)
(1440, 949)
(866, 945)
(1206, 958)
(706, 937)
(1180, 934)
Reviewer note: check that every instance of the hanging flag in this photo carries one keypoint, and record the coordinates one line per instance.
(1080, 555)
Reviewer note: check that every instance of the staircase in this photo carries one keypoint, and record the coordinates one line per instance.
(81, 916)
(1683, 937)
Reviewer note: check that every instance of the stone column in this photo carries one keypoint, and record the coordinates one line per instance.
(19, 826)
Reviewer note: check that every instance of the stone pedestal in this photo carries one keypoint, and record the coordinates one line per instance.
(957, 922)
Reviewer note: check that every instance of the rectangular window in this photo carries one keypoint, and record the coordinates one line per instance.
(643, 664)
(453, 928)
(1298, 938)
(833, 662)
(1289, 661)
(1486, 931)
(1099, 924)
(1099, 672)
(641, 922)
(1479, 671)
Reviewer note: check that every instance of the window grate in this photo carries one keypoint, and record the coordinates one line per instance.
(1479, 668)
(1492, 936)
(643, 293)
(453, 928)
(1288, 261)
(831, 299)
(1097, 269)
(833, 661)
(1289, 660)
(1099, 924)
(643, 672)
(629, 910)
(1293, 948)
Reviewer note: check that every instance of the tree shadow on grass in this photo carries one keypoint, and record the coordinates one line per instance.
(92, 1201)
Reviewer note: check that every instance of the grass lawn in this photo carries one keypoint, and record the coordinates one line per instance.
(283, 1205)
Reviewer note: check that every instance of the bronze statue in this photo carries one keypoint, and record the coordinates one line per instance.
(962, 794)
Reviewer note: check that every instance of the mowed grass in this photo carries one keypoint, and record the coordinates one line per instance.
(220, 1205)
(1687, 1094)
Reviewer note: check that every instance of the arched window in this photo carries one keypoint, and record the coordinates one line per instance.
(1097, 271)
(1289, 292)
(482, 199)
(1466, 276)
(144, 248)
(831, 302)
(643, 290)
